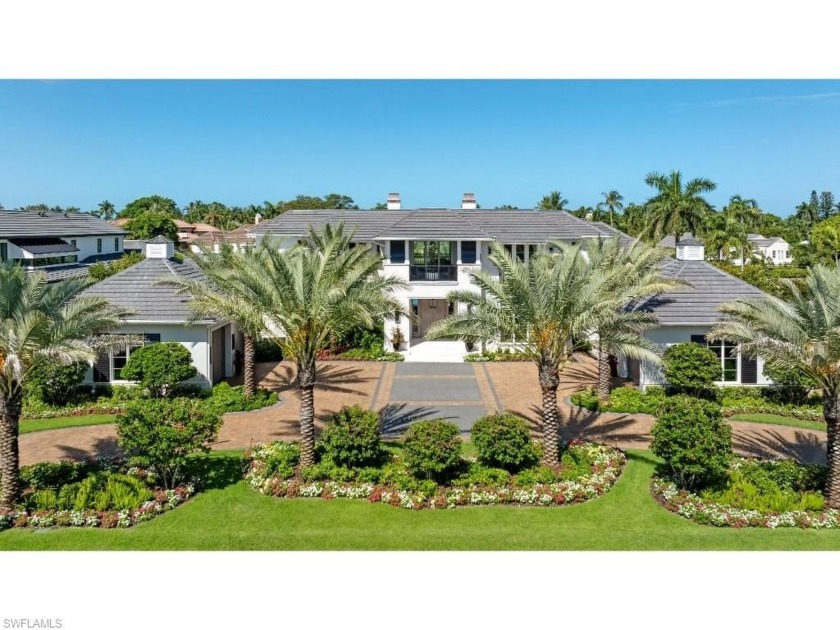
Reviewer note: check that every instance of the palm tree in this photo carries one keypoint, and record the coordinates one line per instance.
(548, 307)
(724, 234)
(612, 202)
(635, 273)
(809, 213)
(42, 323)
(553, 201)
(676, 208)
(801, 334)
(105, 211)
(221, 294)
(306, 296)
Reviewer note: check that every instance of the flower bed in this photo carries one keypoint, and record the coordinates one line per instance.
(162, 500)
(606, 465)
(695, 508)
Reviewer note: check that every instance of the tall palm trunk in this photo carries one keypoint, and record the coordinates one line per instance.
(831, 410)
(10, 408)
(249, 378)
(549, 381)
(603, 372)
(306, 384)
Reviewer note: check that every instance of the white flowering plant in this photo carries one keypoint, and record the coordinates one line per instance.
(606, 464)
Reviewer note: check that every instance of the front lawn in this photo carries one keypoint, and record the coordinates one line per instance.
(231, 516)
(31, 426)
(785, 421)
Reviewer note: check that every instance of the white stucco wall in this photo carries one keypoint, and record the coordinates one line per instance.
(651, 374)
(195, 338)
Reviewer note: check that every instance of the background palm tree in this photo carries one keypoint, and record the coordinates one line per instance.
(306, 296)
(612, 202)
(221, 293)
(676, 208)
(728, 231)
(42, 322)
(803, 335)
(548, 307)
(553, 201)
(105, 211)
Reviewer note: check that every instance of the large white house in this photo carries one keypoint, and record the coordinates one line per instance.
(775, 250)
(435, 249)
(63, 245)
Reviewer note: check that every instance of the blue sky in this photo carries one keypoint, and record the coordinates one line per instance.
(510, 142)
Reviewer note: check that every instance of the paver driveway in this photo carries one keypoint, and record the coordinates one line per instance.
(407, 392)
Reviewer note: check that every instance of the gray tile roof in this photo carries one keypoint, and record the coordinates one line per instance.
(44, 245)
(136, 288)
(698, 304)
(505, 226)
(21, 224)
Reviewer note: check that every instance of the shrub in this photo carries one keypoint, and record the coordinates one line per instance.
(587, 398)
(693, 440)
(574, 464)
(539, 475)
(161, 434)
(267, 350)
(159, 367)
(631, 400)
(790, 386)
(691, 368)
(101, 270)
(327, 471)
(352, 438)
(281, 459)
(99, 491)
(225, 398)
(432, 449)
(762, 494)
(503, 441)
(55, 384)
(480, 475)
(125, 393)
(55, 474)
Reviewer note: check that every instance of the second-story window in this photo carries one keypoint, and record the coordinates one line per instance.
(99, 246)
(397, 251)
(468, 252)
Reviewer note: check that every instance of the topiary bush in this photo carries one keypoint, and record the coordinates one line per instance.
(691, 368)
(504, 441)
(695, 443)
(161, 434)
(351, 438)
(56, 384)
(159, 367)
(432, 450)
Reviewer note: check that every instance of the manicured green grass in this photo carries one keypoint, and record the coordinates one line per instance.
(31, 426)
(232, 516)
(765, 418)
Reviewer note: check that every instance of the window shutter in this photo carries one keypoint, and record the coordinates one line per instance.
(701, 339)
(102, 368)
(749, 370)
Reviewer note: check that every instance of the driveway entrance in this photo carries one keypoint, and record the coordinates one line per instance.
(457, 392)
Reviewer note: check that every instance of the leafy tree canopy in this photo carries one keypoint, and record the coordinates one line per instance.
(154, 203)
(150, 224)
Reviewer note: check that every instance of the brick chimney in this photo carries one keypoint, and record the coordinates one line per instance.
(468, 202)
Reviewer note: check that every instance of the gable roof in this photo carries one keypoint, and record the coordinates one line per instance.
(16, 224)
(697, 304)
(504, 226)
(136, 288)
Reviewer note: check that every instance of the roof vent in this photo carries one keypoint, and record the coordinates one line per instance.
(468, 202)
(394, 201)
(160, 247)
(690, 249)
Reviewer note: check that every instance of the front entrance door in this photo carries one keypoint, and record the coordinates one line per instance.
(428, 312)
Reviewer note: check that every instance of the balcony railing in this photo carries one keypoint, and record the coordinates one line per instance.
(433, 273)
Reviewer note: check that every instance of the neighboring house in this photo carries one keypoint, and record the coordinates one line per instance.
(687, 314)
(63, 245)
(434, 249)
(238, 239)
(160, 314)
(775, 250)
